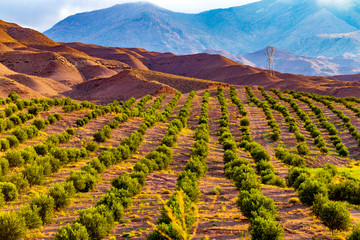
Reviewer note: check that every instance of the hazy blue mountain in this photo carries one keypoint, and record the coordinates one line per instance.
(288, 62)
(300, 26)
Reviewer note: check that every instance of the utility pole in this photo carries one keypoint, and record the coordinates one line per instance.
(270, 52)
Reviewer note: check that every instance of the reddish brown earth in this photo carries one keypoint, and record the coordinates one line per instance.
(221, 69)
(350, 78)
(35, 66)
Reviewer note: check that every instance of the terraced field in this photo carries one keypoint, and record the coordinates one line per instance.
(238, 163)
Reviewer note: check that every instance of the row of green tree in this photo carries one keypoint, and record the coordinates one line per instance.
(292, 125)
(178, 215)
(259, 209)
(96, 222)
(104, 134)
(276, 132)
(114, 107)
(326, 124)
(346, 120)
(308, 124)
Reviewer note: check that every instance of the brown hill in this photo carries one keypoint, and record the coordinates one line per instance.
(36, 65)
(42, 64)
(8, 85)
(122, 86)
(349, 78)
(204, 66)
(29, 52)
(221, 69)
(120, 54)
(14, 34)
(136, 83)
(41, 86)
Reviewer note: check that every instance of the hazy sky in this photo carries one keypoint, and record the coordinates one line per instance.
(43, 14)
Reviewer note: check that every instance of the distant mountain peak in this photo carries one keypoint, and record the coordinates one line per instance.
(143, 4)
(293, 25)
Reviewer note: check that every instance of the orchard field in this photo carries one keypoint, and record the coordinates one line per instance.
(238, 163)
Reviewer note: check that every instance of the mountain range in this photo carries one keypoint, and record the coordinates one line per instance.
(303, 27)
(33, 65)
(288, 62)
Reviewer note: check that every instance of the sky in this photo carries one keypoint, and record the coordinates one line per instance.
(43, 14)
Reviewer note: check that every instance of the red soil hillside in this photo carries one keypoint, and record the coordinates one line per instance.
(222, 69)
(83, 71)
(183, 84)
(13, 33)
(39, 86)
(34, 64)
(204, 66)
(129, 57)
(350, 78)
(26, 51)
(137, 83)
(42, 64)
(8, 85)
(122, 86)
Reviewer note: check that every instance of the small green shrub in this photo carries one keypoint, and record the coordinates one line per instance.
(98, 221)
(92, 146)
(45, 204)
(31, 216)
(245, 178)
(245, 122)
(83, 181)
(251, 203)
(74, 232)
(13, 141)
(9, 191)
(62, 193)
(265, 229)
(308, 189)
(188, 183)
(34, 174)
(335, 216)
(12, 226)
(127, 183)
(216, 190)
(14, 158)
(5, 145)
(115, 201)
(302, 149)
(40, 123)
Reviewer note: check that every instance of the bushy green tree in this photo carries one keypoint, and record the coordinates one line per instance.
(266, 229)
(74, 232)
(34, 174)
(308, 189)
(9, 190)
(98, 221)
(83, 181)
(335, 216)
(62, 193)
(45, 204)
(12, 226)
(31, 216)
(302, 149)
(127, 183)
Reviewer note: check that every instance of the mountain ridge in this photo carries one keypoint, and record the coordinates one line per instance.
(33, 65)
(238, 30)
